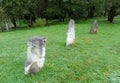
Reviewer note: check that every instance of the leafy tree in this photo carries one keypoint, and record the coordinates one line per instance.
(34, 9)
(94, 8)
(114, 9)
(29, 10)
(3, 20)
(15, 9)
(55, 10)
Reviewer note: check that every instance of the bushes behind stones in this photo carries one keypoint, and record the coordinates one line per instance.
(40, 22)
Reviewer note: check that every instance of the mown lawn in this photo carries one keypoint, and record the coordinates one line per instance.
(95, 58)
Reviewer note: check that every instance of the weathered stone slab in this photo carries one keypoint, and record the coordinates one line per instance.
(94, 28)
(70, 39)
(35, 54)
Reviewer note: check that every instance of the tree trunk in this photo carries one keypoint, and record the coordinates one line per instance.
(91, 11)
(111, 14)
(30, 22)
(105, 13)
(62, 19)
(105, 8)
(14, 23)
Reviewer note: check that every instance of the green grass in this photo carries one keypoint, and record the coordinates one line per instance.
(94, 58)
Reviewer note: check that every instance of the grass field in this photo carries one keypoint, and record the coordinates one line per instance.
(94, 58)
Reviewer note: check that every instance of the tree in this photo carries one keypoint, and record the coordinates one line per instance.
(114, 9)
(55, 10)
(3, 20)
(94, 8)
(15, 9)
(34, 9)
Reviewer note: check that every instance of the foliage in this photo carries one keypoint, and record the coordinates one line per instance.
(112, 7)
(3, 18)
(114, 77)
(59, 9)
(15, 9)
(39, 22)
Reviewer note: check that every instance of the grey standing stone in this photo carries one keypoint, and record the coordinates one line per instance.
(70, 39)
(35, 54)
(94, 28)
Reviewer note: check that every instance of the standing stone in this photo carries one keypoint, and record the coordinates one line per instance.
(94, 28)
(35, 54)
(70, 33)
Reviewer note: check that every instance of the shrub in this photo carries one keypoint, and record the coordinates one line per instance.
(40, 22)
